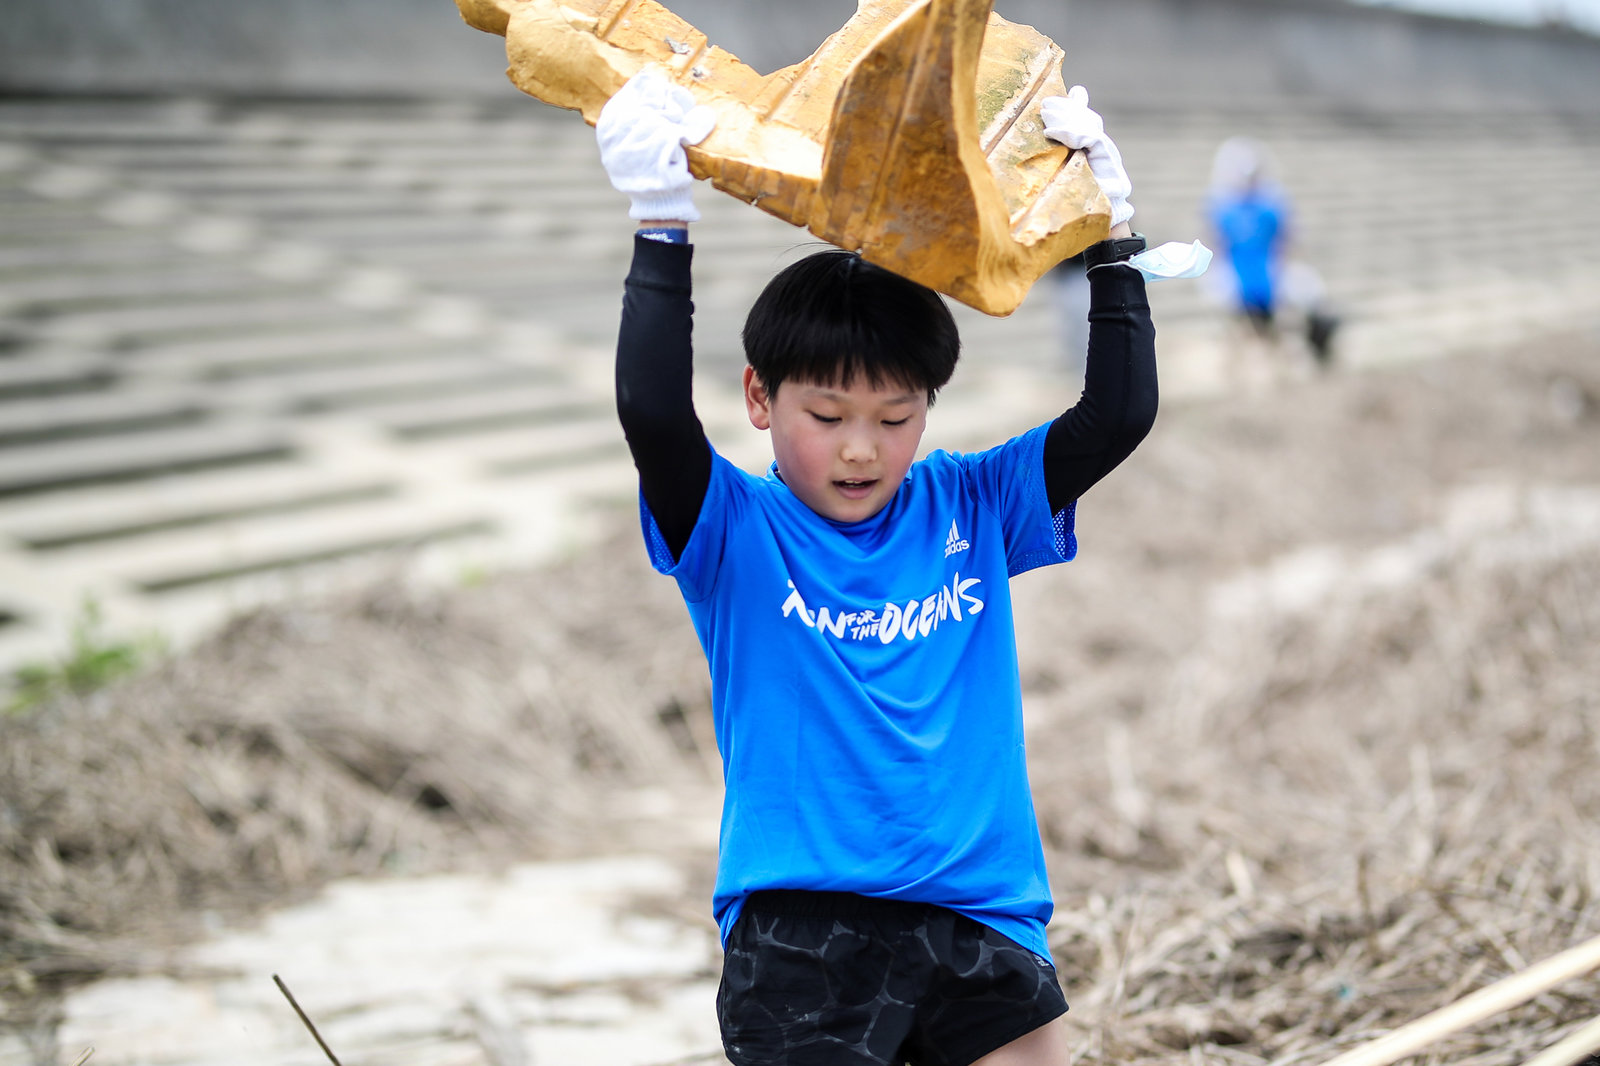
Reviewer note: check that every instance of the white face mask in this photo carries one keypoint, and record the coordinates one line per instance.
(1172, 260)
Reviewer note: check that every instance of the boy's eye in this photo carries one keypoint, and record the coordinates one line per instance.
(824, 418)
(896, 421)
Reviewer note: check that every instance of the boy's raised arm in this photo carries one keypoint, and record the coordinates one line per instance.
(641, 132)
(1119, 400)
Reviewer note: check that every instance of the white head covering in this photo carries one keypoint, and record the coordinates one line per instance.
(1240, 162)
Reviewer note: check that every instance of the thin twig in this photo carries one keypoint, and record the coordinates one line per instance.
(326, 1050)
(81, 1059)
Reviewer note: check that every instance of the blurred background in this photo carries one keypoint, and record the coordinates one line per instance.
(318, 546)
(288, 285)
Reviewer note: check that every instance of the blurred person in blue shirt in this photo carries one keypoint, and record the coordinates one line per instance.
(1250, 217)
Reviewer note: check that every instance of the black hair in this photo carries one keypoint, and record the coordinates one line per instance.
(833, 317)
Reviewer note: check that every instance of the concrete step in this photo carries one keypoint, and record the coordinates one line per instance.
(534, 449)
(501, 252)
(279, 177)
(52, 292)
(138, 326)
(490, 152)
(359, 235)
(110, 250)
(71, 464)
(353, 388)
(478, 412)
(162, 504)
(46, 226)
(180, 558)
(315, 347)
(35, 419)
(32, 376)
(377, 185)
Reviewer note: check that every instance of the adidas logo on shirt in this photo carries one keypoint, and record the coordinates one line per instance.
(955, 542)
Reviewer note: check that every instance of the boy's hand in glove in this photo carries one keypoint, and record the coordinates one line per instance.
(641, 131)
(1069, 120)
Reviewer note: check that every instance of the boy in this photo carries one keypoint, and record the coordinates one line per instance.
(881, 886)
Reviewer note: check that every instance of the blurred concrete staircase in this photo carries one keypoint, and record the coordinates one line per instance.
(250, 349)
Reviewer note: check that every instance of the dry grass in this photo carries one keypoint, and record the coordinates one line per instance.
(380, 733)
(1316, 733)
(1355, 778)
(1334, 822)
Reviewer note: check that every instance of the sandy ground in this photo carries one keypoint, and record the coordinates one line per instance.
(1313, 737)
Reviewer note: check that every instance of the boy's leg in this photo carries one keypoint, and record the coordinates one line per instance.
(1045, 1046)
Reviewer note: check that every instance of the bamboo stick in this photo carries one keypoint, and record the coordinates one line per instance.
(1484, 1003)
(1571, 1048)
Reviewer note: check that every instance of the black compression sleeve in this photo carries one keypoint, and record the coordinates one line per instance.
(655, 397)
(1118, 405)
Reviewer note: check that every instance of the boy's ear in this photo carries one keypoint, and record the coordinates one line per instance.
(757, 401)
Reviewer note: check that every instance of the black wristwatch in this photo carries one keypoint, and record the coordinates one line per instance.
(1114, 250)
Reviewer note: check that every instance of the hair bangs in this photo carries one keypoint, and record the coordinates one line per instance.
(834, 319)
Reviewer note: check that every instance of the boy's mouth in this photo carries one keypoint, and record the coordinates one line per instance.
(855, 489)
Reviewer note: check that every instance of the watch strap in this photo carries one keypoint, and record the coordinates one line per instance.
(1113, 250)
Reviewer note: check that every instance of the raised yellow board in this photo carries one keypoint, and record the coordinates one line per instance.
(912, 135)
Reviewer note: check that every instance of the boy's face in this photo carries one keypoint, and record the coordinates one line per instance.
(842, 449)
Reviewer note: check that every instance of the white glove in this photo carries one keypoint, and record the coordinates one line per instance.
(642, 130)
(1068, 119)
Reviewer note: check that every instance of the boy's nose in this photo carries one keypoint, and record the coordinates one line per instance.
(859, 448)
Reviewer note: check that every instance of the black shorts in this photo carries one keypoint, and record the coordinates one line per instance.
(834, 979)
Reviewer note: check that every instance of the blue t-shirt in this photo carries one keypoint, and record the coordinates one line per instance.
(865, 689)
(1251, 227)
